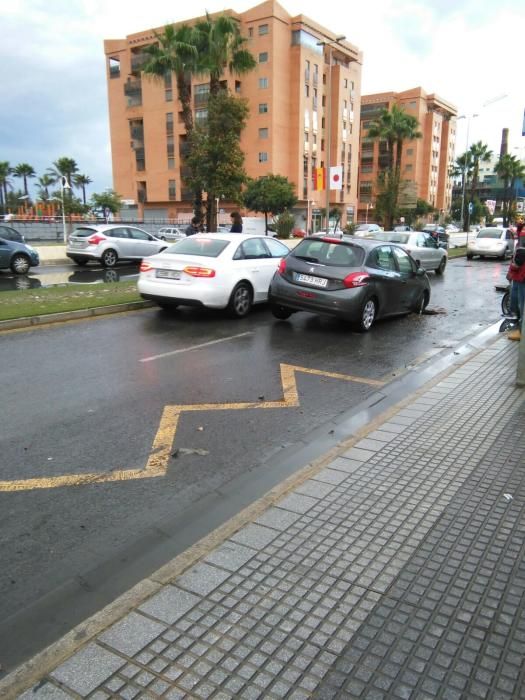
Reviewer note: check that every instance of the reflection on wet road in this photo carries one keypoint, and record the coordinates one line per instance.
(45, 276)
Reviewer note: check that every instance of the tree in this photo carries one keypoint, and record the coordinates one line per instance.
(24, 170)
(82, 181)
(509, 169)
(479, 153)
(43, 184)
(216, 161)
(5, 183)
(270, 194)
(63, 167)
(106, 200)
(221, 48)
(176, 52)
(394, 127)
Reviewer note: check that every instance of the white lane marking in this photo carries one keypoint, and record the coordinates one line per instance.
(194, 347)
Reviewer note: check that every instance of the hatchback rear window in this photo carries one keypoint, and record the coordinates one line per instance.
(83, 232)
(490, 233)
(326, 253)
(206, 247)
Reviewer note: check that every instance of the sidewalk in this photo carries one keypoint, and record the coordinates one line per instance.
(394, 570)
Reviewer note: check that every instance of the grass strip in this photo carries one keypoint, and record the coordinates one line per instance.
(67, 297)
(457, 252)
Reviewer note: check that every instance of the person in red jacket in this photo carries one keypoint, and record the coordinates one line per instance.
(516, 276)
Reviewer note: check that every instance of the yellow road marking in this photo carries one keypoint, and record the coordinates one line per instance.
(157, 464)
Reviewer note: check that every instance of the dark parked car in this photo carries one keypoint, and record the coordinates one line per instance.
(358, 280)
(438, 233)
(15, 254)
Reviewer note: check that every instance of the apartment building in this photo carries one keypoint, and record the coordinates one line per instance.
(291, 95)
(426, 161)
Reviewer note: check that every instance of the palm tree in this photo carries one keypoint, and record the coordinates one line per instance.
(82, 181)
(5, 183)
(63, 167)
(24, 170)
(177, 53)
(394, 127)
(509, 169)
(479, 153)
(43, 184)
(222, 48)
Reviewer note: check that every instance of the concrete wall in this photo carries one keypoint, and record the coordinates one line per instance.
(53, 231)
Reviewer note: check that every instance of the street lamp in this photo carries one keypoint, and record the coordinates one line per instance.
(64, 185)
(468, 117)
(369, 205)
(330, 43)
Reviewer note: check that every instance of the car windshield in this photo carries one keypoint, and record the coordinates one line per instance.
(490, 233)
(392, 237)
(328, 253)
(205, 247)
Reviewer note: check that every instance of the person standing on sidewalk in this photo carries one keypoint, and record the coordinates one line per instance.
(516, 276)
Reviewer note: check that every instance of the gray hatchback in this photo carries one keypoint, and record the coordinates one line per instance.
(110, 243)
(15, 253)
(355, 280)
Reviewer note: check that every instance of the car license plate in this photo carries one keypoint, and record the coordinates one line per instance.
(168, 274)
(310, 279)
(77, 244)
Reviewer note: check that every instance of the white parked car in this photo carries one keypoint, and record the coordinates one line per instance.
(491, 242)
(109, 243)
(364, 230)
(218, 270)
(421, 246)
(170, 233)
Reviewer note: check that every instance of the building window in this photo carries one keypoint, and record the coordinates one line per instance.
(200, 116)
(345, 82)
(263, 57)
(114, 67)
(250, 31)
(263, 133)
(263, 83)
(263, 29)
(171, 163)
(168, 91)
(169, 124)
(307, 91)
(172, 190)
(263, 108)
(263, 157)
(307, 71)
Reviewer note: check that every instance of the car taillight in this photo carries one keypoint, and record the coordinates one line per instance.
(356, 279)
(96, 238)
(282, 267)
(146, 266)
(199, 271)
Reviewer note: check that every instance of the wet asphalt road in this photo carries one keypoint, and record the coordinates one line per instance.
(88, 396)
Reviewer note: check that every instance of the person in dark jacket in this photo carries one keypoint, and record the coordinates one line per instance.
(194, 227)
(236, 222)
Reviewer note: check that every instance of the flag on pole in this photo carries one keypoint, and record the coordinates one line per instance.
(336, 177)
(319, 179)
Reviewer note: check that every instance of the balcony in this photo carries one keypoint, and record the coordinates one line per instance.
(200, 99)
(137, 61)
(132, 88)
(137, 133)
(184, 149)
(187, 195)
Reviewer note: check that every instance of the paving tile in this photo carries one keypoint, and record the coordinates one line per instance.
(201, 579)
(87, 669)
(170, 604)
(255, 536)
(278, 518)
(231, 556)
(46, 691)
(297, 503)
(132, 633)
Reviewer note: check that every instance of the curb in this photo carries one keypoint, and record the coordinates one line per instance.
(30, 321)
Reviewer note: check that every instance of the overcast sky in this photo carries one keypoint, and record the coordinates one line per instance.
(54, 100)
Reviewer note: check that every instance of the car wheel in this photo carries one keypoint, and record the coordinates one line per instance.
(280, 312)
(109, 258)
(441, 267)
(80, 261)
(505, 304)
(162, 238)
(469, 256)
(240, 301)
(368, 315)
(423, 302)
(20, 264)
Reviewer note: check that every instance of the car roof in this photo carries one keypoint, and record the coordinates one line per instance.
(227, 236)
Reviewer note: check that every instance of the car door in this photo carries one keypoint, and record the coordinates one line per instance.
(120, 240)
(142, 244)
(253, 261)
(388, 284)
(5, 253)
(411, 284)
(431, 252)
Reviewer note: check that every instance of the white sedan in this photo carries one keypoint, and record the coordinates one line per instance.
(216, 270)
(491, 242)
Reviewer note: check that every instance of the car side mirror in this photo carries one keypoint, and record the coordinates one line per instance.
(420, 272)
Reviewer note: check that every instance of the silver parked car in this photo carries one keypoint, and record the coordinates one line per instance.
(171, 233)
(421, 246)
(491, 242)
(109, 243)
